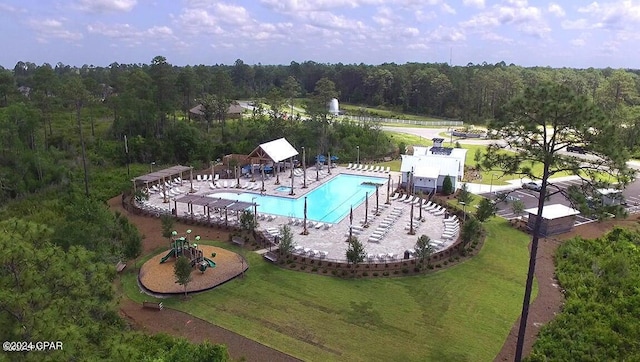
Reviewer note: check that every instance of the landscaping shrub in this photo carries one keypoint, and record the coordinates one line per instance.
(314, 270)
(365, 274)
(406, 271)
(292, 265)
(375, 274)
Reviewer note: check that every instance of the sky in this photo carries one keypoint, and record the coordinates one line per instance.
(575, 34)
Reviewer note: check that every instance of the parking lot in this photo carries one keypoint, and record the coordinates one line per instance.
(530, 199)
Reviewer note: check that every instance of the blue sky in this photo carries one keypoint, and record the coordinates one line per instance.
(577, 34)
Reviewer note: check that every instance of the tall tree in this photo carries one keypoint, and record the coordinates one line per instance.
(77, 95)
(539, 123)
(291, 89)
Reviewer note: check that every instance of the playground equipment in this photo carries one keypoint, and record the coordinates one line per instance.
(180, 246)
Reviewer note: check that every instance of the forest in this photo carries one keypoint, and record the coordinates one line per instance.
(63, 155)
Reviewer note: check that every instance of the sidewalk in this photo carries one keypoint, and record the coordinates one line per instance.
(513, 184)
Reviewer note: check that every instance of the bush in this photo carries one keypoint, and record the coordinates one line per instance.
(386, 274)
(292, 265)
(375, 274)
(324, 271)
(303, 267)
(446, 262)
(395, 272)
(405, 270)
(334, 272)
(365, 274)
(314, 270)
(438, 266)
(430, 267)
(416, 270)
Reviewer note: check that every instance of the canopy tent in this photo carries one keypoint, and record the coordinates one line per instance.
(334, 158)
(274, 151)
(321, 158)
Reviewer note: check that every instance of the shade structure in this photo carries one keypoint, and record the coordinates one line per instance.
(321, 158)
(334, 158)
(268, 168)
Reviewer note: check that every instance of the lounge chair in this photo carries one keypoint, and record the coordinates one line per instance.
(319, 225)
(409, 199)
(224, 184)
(199, 178)
(217, 177)
(376, 169)
(212, 186)
(360, 167)
(349, 166)
(403, 197)
(387, 170)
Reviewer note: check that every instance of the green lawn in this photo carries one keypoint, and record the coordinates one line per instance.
(461, 313)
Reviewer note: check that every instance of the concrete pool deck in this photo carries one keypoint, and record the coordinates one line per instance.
(331, 242)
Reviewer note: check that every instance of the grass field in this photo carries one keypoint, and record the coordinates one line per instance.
(463, 313)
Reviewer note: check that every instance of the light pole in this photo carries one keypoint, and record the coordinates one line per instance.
(255, 208)
(304, 169)
(151, 166)
(358, 150)
(464, 211)
(491, 185)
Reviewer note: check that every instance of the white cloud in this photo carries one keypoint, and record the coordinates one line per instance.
(292, 6)
(578, 24)
(578, 42)
(447, 8)
(197, 21)
(410, 32)
(52, 28)
(556, 10)
(104, 6)
(130, 34)
(491, 36)
(526, 19)
(446, 34)
(614, 15)
(477, 3)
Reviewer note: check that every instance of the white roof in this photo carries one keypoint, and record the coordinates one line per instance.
(279, 149)
(605, 192)
(555, 211)
(446, 166)
(427, 172)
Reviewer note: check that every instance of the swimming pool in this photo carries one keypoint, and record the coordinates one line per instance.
(329, 202)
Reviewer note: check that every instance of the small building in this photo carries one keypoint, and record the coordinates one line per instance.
(556, 219)
(234, 111)
(611, 197)
(429, 166)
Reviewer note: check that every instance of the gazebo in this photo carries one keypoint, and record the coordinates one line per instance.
(274, 152)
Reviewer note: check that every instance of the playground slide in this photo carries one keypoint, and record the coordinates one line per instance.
(170, 254)
(211, 263)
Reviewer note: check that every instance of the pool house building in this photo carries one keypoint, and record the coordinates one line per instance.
(427, 168)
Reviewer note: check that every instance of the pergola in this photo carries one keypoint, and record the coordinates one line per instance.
(162, 176)
(209, 204)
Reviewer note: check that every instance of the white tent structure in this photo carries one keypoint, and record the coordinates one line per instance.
(274, 151)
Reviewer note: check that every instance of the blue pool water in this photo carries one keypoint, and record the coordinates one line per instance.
(329, 202)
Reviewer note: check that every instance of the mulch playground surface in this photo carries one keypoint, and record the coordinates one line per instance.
(173, 322)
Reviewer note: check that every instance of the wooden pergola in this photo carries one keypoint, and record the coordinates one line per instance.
(275, 152)
(209, 204)
(162, 176)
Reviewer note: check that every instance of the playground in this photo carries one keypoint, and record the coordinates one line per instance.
(157, 274)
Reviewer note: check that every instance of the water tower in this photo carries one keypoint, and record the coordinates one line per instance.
(334, 107)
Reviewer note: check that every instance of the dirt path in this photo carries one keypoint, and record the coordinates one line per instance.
(181, 324)
(549, 300)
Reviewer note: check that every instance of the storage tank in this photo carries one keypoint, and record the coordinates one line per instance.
(334, 107)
